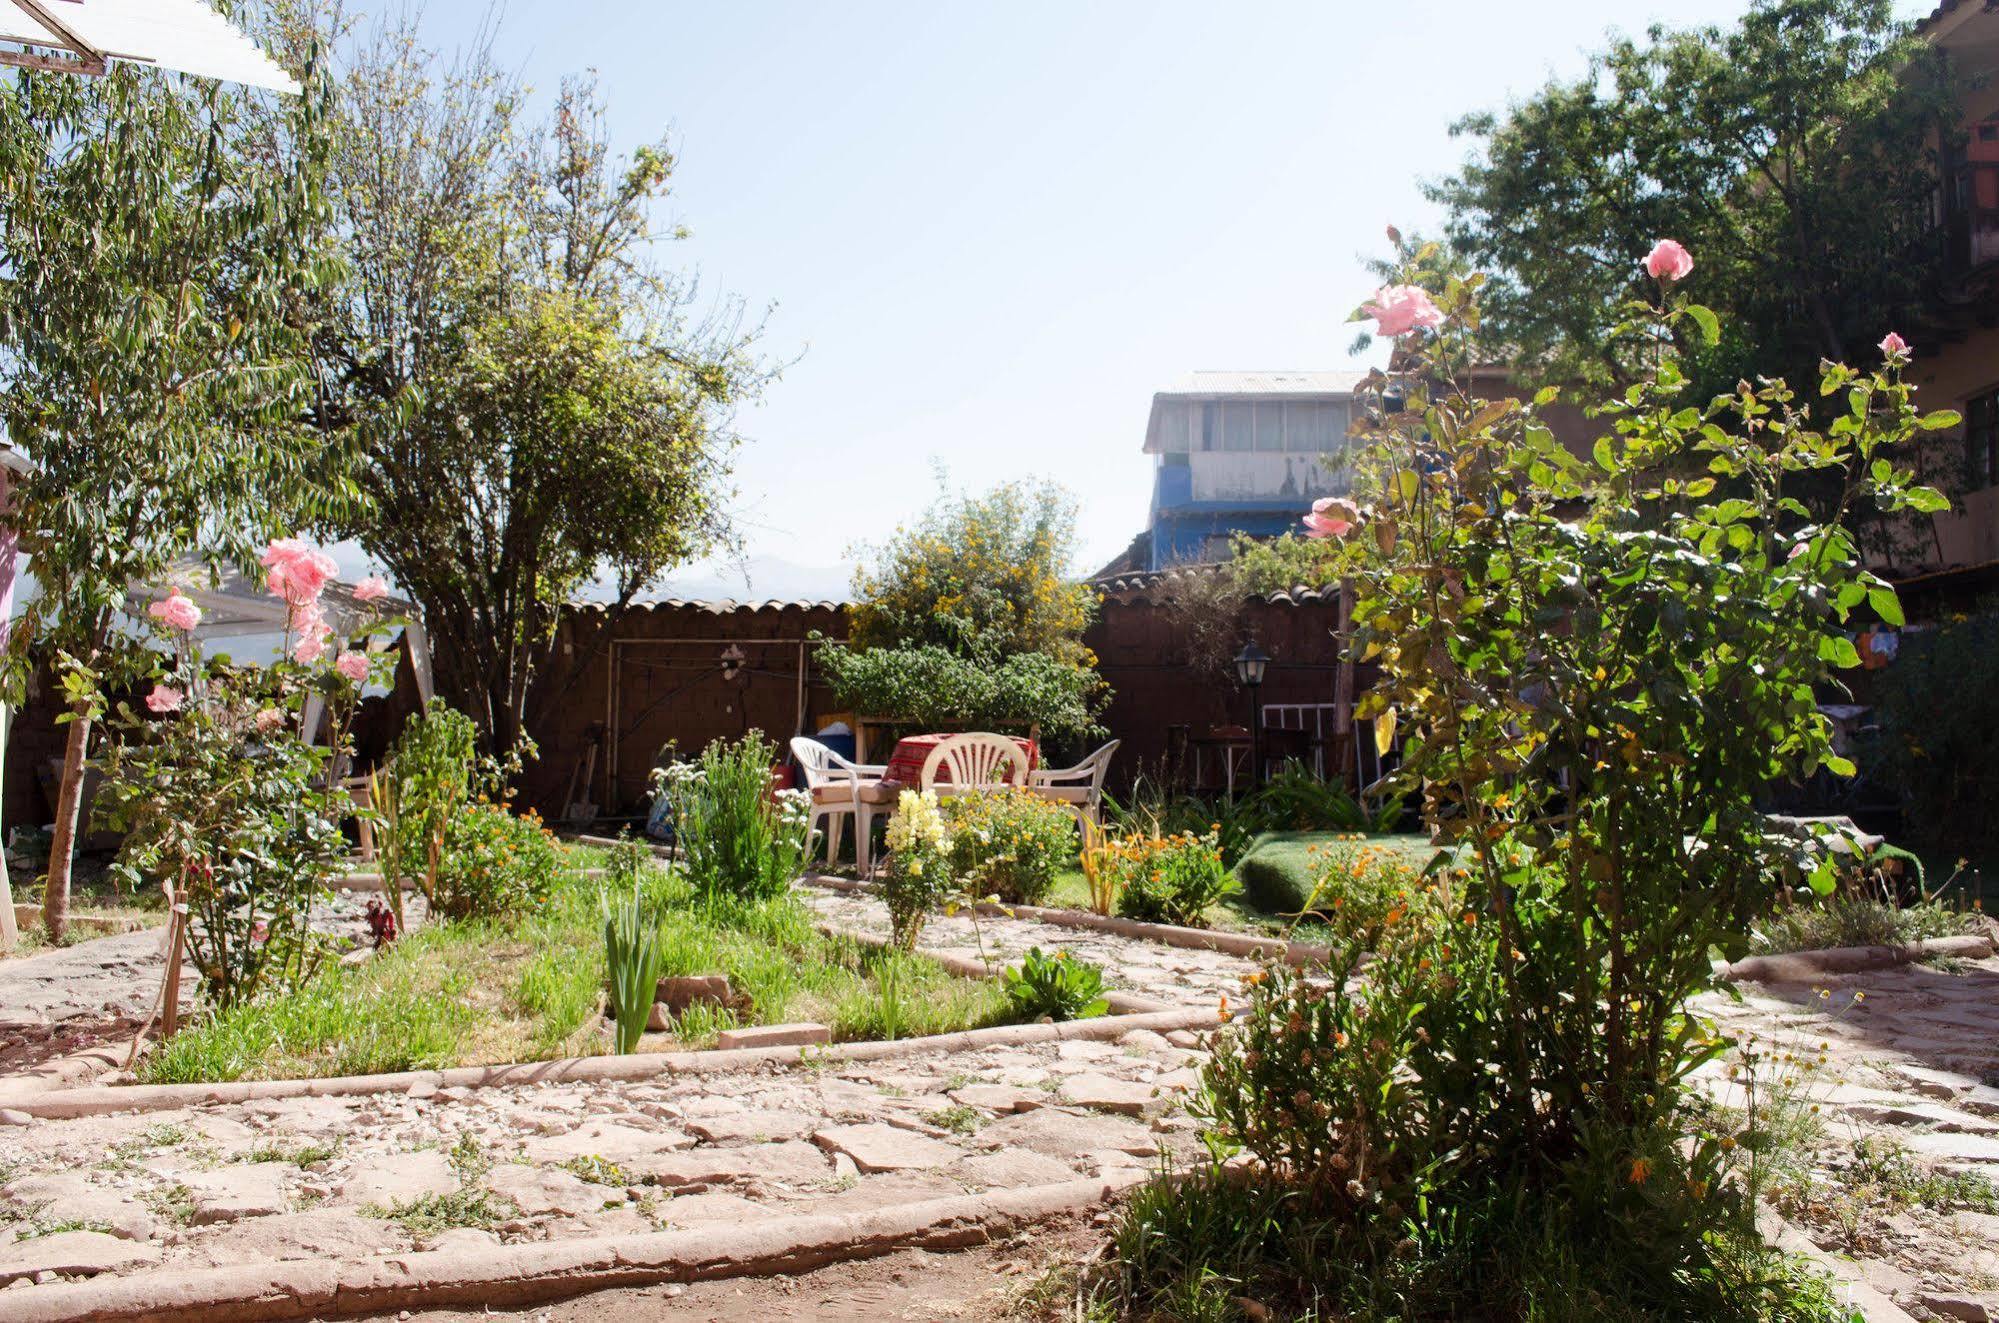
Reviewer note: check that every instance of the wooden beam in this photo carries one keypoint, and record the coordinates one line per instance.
(54, 63)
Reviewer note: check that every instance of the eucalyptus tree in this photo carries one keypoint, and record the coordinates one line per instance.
(540, 405)
(160, 239)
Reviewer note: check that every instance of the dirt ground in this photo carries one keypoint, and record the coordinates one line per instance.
(992, 1282)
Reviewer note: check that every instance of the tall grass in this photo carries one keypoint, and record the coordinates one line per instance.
(483, 990)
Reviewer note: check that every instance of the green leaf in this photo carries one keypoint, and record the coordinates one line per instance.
(1839, 650)
(1709, 323)
(1940, 421)
(1886, 605)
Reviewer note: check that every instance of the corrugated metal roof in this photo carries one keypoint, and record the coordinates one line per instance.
(184, 35)
(1265, 382)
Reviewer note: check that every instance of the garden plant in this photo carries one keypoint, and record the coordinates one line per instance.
(1594, 666)
(737, 834)
(223, 798)
(1009, 843)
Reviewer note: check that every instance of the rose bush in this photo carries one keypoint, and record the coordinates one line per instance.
(220, 799)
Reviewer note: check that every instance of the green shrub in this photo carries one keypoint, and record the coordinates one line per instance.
(932, 688)
(429, 777)
(494, 865)
(1009, 843)
(1056, 987)
(1172, 879)
(1291, 872)
(738, 836)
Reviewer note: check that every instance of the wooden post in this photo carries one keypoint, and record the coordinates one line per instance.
(10, 934)
(170, 999)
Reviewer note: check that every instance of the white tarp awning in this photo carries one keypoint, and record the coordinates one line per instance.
(183, 35)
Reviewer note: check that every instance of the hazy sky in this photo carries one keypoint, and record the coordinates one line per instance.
(990, 231)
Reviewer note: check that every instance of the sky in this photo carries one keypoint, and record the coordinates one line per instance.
(981, 235)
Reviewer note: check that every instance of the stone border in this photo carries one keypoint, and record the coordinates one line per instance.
(539, 1271)
(1204, 939)
(1803, 966)
(100, 925)
(1871, 1303)
(104, 1100)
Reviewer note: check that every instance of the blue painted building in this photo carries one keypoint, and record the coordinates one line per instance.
(1241, 452)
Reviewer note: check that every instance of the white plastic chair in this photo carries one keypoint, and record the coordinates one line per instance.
(835, 784)
(976, 762)
(1080, 788)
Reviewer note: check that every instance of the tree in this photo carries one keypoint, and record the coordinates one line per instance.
(969, 618)
(982, 576)
(161, 238)
(536, 403)
(1793, 152)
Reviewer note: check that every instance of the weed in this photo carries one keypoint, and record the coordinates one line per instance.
(34, 1229)
(430, 1215)
(958, 1117)
(300, 1155)
(174, 1202)
(598, 1171)
(469, 1158)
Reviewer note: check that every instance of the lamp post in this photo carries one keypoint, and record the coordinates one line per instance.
(1249, 667)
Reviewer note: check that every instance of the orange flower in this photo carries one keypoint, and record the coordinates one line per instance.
(1640, 1169)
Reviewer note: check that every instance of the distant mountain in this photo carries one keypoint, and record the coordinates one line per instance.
(753, 579)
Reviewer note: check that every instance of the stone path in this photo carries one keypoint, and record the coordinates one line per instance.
(1177, 976)
(359, 1176)
(1910, 1064)
(1910, 1053)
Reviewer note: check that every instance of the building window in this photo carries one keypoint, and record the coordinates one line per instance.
(1238, 426)
(1270, 427)
(1981, 440)
(1210, 427)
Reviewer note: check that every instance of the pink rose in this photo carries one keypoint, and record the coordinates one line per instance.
(1331, 517)
(309, 649)
(1668, 261)
(1893, 345)
(296, 572)
(260, 930)
(176, 611)
(270, 721)
(371, 589)
(164, 699)
(353, 665)
(1400, 309)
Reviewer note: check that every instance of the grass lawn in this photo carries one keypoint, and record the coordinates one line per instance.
(483, 992)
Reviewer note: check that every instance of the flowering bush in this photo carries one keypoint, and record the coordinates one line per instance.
(494, 864)
(1358, 888)
(1165, 879)
(220, 799)
(919, 864)
(737, 834)
(1594, 667)
(1009, 843)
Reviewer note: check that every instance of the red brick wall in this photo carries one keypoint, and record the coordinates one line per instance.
(1143, 656)
(670, 687)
